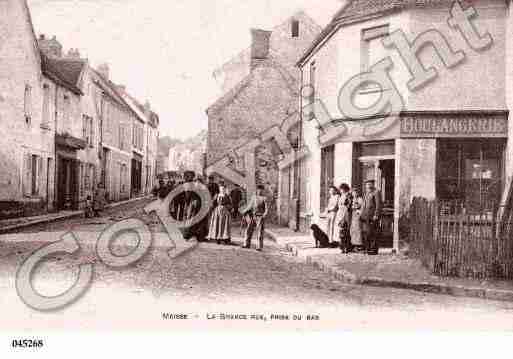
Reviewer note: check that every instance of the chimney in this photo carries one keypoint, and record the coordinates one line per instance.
(104, 70)
(147, 108)
(50, 47)
(73, 54)
(260, 44)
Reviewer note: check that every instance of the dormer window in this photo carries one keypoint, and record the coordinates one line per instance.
(295, 28)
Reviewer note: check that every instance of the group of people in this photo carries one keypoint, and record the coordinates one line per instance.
(354, 218)
(225, 207)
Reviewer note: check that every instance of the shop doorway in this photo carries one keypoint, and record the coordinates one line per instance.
(376, 161)
(136, 177)
(67, 184)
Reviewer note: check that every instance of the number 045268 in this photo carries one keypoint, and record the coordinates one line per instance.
(27, 343)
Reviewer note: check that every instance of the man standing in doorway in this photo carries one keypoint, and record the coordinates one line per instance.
(256, 211)
(213, 187)
(370, 217)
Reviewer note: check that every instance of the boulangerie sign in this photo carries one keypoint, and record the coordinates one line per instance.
(479, 125)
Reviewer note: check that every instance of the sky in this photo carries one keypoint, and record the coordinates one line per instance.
(165, 51)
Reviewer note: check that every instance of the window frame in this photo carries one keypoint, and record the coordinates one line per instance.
(366, 36)
(295, 28)
(45, 116)
(27, 104)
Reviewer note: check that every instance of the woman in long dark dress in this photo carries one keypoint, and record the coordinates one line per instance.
(220, 221)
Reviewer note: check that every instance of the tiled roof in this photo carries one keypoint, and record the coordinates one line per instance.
(110, 89)
(361, 10)
(64, 72)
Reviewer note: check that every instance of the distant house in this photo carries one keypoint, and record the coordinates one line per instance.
(259, 91)
(189, 155)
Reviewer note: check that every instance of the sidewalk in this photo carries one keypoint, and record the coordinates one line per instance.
(385, 270)
(7, 225)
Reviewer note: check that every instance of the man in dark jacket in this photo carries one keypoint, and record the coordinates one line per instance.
(370, 217)
(236, 197)
(163, 189)
(213, 187)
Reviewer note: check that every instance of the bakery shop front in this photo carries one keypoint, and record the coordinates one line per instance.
(470, 154)
(457, 157)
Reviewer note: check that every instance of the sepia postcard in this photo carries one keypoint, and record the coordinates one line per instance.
(222, 165)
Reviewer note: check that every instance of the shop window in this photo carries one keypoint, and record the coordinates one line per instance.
(469, 175)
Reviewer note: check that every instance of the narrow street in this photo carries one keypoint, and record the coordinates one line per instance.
(215, 279)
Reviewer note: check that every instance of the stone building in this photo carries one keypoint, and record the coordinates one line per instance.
(65, 126)
(413, 95)
(115, 136)
(260, 91)
(144, 144)
(38, 109)
(152, 135)
(61, 109)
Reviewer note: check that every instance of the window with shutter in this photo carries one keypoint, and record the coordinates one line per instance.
(84, 127)
(27, 172)
(27, 105)
(92, 132)
(80, 179)
(46, 105)
(327, 173)
(39, 176)
(33, 174)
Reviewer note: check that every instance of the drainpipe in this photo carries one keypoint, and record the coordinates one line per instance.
(55, 177)
(299, 146)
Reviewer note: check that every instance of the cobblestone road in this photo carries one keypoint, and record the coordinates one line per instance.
(216, 279)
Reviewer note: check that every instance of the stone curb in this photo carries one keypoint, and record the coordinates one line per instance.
(4, 230)
(426, 287)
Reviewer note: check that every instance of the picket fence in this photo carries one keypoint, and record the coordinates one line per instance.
(477, 245)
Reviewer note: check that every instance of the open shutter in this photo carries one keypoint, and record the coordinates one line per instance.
(93, 132)
(27, 172)
(81, 179)
(39, 175)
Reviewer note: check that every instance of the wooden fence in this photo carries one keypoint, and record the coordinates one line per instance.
(458, 244)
